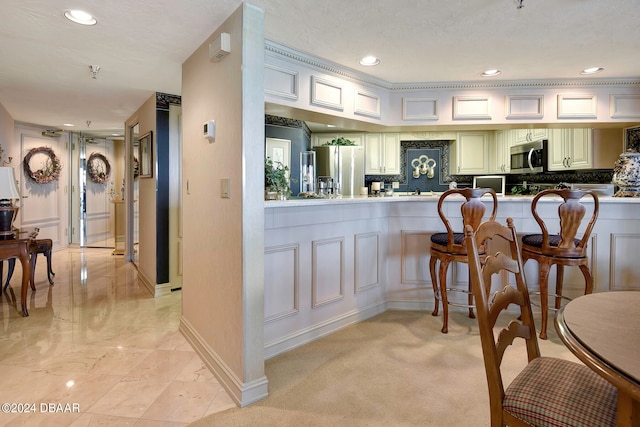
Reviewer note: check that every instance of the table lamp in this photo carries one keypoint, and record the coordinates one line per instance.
(8, 191)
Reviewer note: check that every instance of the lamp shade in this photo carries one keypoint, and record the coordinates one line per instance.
(8, 189)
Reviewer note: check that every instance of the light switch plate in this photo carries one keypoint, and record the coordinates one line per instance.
(225, 188)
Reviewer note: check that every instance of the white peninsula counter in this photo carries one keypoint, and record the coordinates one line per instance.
(334, 262)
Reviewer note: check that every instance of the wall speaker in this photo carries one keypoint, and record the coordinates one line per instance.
(220, 47)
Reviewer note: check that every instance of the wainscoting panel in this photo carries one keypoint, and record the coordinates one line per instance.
(524, 106)
(419, 109)
(98, 227)
(577, 106)
(325, 93)
(328, 267)
(367, 261)
(281, 82)
(623, 270)
(471, 107)
(415, 257)
(367, 104)
(624, 106)
(281, 281)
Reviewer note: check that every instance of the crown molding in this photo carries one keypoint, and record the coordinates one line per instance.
(525, 84)
(279, 50)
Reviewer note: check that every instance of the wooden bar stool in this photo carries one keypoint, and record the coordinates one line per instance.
(562, 249)
(450, 246)
(38, 246)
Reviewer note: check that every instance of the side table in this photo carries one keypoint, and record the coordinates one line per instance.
(18, 247)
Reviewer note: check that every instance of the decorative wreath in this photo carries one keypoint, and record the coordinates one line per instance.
(51, 167)
(136, 167)
(98, 168)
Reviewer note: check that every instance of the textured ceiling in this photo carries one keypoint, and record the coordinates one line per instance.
(140, 46)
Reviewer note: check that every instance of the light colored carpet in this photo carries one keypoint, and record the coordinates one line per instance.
(395, 369)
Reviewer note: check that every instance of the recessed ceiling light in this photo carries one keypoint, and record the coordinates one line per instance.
(331, 126)
(369, 61)
(69, 124)
(491, 73)
(592, 70)
(80, 17)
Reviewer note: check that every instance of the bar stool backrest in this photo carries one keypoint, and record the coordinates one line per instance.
(571, 213)
(472, 210)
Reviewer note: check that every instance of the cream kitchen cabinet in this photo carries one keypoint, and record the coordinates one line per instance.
(583, 148)
(499, 152)
(382, 153)
(324, 138)
(522, 136)
(470, 153)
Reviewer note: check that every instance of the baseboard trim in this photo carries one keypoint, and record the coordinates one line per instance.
(242, 393)
(315, 332)
(155, 289)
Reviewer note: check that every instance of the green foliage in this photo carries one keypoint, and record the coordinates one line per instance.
(518, 189)
(340, 141)
(276, 176)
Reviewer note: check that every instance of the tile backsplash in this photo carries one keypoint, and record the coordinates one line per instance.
(439, 151)
(410, 150)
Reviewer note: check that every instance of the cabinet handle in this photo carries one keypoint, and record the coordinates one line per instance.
(568, 162)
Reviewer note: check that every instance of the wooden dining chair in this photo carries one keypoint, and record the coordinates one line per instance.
(548, 391)
(450, 246)
(562, 249)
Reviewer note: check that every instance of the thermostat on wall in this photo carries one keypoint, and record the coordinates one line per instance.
(209, 130)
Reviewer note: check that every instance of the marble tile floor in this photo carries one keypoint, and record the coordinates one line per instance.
(98, 350)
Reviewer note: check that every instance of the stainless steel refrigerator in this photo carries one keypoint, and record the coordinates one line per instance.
(344, 164)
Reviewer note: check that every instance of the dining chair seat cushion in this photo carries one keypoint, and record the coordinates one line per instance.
(556, 392)
(443, 238)
(536, 240)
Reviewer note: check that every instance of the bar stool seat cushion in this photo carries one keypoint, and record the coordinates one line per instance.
(536, 240)
(557, 392)
(443, 238)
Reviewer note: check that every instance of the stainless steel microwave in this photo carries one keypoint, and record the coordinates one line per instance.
(529, 158)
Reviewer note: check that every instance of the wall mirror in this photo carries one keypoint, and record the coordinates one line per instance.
(145, 155)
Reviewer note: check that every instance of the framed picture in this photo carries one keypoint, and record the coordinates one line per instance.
(279, 150)
(145, 155)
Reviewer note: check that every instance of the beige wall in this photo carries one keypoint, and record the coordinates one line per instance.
(223, 306)
(6, 128)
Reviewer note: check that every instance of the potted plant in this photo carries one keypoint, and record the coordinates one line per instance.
(340, 141)
(276, 180)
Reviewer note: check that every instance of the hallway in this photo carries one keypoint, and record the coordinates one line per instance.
(97, 341)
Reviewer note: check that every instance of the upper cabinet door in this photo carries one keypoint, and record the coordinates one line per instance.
(581, 149)
(570, 149)
(373, 154)
(499, 151)
(382, 154)
(522, 136)
(557, 157)
(391, 143)
(470, 154)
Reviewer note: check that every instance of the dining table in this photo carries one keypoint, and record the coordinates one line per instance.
(603, 331)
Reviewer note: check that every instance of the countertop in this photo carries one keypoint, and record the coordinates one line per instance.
(425, 197)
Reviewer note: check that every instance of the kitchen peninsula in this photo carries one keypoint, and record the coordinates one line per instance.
(334, 262)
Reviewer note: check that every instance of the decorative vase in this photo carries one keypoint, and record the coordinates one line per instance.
(626, 175)
(270, 194)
